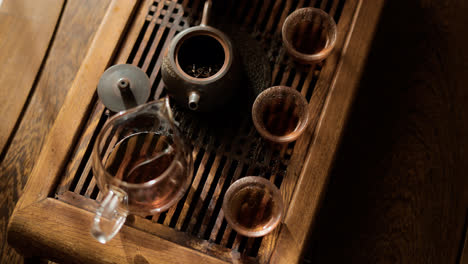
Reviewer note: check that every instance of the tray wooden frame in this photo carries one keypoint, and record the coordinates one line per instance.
(47, 227)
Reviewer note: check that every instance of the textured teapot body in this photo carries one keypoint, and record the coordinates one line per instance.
(195, 46)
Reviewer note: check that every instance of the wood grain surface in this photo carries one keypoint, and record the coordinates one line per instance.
(58, 235)
(26, 28)
(77, 103)
(398, 193)
(75, 31)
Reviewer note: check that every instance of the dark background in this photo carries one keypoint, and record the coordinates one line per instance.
(398, 191)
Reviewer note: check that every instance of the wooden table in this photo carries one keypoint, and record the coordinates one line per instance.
(16, 165)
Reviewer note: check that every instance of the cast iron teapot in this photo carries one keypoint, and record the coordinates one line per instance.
(200, 69)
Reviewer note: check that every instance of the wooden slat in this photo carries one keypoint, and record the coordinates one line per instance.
(333, 8)
(207, 185)
(157, 39)
(215, 197)
(99, 108)
(323, 4)
(240, 8)
(289, 8)
(83, 177)
(67, 233)
(203, 195)
(220, 217)
(146, 37)
(300, 4)
(297, 78)
(80, 151)
(172, 31)
(170, 213)
(273, 14)
(26, 28)
(60, 139)
(90, 188)
(311, 183)
(250, 16)
(193, 189)
(308, 80)
(263, 11)
(277, 68)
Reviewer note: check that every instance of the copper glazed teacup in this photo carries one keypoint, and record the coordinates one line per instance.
(280, 114)
(199, 69)
(309, 35)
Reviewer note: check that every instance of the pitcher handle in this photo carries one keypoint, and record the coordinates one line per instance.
(206, 13)
(110, 215)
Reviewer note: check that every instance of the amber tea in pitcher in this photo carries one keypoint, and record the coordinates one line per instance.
(142, 166)
(140, 157)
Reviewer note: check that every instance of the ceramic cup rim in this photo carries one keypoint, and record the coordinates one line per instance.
(303, 120)
(246, 181)
(306, 57)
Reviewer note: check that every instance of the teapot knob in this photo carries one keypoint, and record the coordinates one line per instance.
(123, 86)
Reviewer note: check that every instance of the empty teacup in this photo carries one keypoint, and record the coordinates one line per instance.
(253, 206)
(309, 35)
(280, 114)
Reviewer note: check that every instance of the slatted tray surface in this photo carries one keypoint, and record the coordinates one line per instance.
(222, 151)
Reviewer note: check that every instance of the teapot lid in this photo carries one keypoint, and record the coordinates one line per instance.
(123, 86)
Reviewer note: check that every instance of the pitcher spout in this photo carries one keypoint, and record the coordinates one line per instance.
(168, 110)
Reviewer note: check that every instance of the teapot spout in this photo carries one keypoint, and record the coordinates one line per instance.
(206, 13)
(193, 99)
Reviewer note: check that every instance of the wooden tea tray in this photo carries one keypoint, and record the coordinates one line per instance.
(53, 217)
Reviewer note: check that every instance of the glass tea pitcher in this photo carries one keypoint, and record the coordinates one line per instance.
(142, 166)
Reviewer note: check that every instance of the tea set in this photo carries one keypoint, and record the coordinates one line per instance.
(140, 160)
